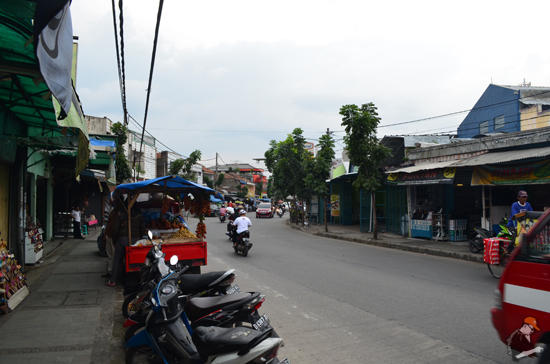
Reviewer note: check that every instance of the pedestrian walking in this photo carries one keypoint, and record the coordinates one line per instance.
(77, 217)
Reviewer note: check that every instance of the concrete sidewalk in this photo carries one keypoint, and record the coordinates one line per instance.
(69, 314)
(450, 249)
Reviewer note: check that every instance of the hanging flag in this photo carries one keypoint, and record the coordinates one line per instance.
(53, 44)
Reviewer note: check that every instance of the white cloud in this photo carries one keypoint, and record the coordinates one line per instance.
(251, 71)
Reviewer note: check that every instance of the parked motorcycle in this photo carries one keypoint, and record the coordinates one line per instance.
(476, 241)
(167, 339)
(194, 285)
(243, 244)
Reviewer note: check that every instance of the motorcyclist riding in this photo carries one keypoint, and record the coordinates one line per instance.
(241, 224)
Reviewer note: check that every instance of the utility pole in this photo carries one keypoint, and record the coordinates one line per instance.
(216, 172)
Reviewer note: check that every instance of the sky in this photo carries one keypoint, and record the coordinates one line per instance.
(230, 76)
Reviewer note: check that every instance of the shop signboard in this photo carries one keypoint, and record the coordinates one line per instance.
(334, 205)
(512, 174)
(426, 177)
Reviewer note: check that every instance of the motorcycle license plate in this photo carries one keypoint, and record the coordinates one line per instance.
(262, 323)
(234, 289)
(285, 361)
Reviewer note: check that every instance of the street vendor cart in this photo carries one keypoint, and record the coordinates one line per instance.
(163, 218)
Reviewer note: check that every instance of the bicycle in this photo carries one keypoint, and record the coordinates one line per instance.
(503, 256)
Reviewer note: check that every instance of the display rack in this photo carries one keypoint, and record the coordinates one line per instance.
(63, 224)
(13, 283)
(439, 230)
(34, 248)
(421, 229)
(458, 230)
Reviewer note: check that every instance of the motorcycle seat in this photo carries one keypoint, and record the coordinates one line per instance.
(198, 307)
(213, 340)
(190, 283)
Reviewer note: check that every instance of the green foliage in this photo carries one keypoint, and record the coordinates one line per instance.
(208, 181)
(220, 180)
(242, 191)
(122, 167)
(318, 168)
(364, 150)
(286, 160)
(183, 167)
(362, 146)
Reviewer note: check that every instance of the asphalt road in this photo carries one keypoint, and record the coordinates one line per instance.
(340, 302)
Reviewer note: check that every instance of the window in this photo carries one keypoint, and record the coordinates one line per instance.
(484, 127)
(499, 122)
(544, 108)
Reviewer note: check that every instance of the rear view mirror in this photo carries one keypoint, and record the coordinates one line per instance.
(174, 260)
(150, 234)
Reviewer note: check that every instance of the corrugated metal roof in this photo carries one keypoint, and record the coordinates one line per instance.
(424, 166)
(488, 158)
(501, 157)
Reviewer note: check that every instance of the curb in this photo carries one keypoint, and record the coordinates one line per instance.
(383, 244)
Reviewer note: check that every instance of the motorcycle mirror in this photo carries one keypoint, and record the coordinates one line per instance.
(155, 243)
(174, 260)
(150, 234)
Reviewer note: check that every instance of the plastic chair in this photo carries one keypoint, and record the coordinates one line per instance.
(84, 229)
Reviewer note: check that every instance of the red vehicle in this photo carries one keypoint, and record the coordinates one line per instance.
(522, 313)
(264, 210)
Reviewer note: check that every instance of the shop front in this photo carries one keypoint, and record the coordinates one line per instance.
(429, 196)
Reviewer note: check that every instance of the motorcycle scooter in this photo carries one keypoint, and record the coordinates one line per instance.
(195, 285)
(222, 216)
(167, 339)
(243, 244)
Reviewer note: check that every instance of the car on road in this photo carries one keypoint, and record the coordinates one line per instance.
(264, 210)
(214, 210)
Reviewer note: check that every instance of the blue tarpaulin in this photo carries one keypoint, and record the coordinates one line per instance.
(214, 199)
(102, 143)
(174, 183)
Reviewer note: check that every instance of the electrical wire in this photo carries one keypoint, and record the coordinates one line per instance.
(120, 58)
(155, 42)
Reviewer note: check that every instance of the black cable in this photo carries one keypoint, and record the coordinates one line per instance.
(155, 41)
(121, 22)
(120, 81)
(152, 136)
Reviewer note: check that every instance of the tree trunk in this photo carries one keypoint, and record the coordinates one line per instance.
(296, 214)
(375, 220)
(325, 214)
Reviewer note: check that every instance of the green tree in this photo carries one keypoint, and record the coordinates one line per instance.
(318, 170)
(242, 191)
(122, 167)
(259, 188)
(183, 167)
(286, 160)
(364, 150)
(219, 181)
(208, 181)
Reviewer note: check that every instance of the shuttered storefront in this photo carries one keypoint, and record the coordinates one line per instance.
(4, 201)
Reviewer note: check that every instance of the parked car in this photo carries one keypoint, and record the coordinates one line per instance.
(264, 210)
(214, 210)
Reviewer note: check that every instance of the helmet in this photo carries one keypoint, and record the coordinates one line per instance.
(242, 212)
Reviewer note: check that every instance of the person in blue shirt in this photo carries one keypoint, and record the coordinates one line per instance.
(520, 206)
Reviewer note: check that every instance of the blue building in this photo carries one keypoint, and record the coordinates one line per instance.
(507, 109)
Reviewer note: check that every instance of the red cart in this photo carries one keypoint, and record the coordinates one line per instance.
(190, 251)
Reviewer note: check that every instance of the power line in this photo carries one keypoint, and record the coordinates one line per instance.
(155, 41)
